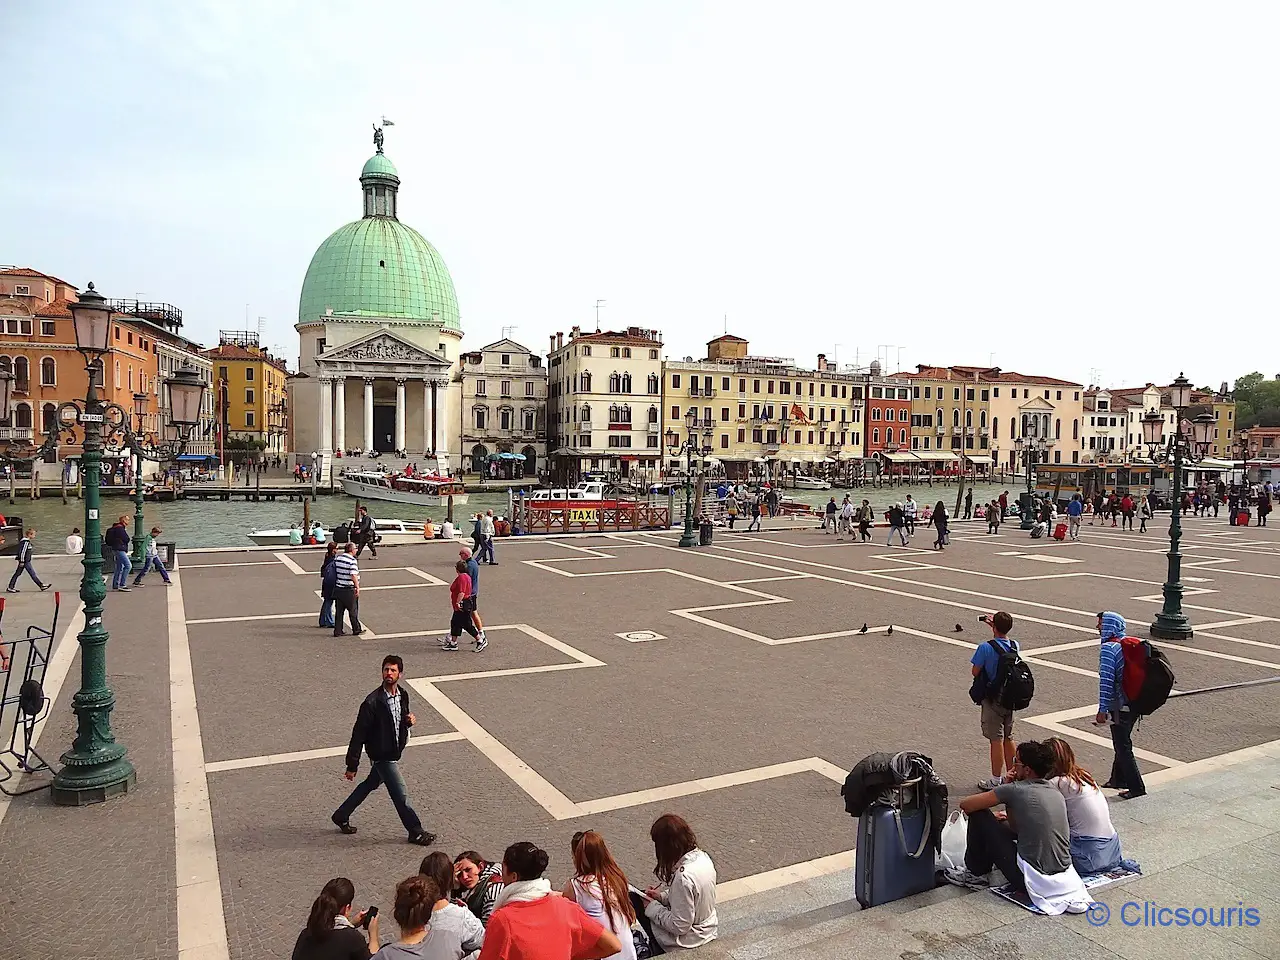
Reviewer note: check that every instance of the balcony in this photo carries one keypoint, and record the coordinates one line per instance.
(583, 426)
(16, 433)
(957, 431)
(654, 428)
(940, 429)
(701, 392)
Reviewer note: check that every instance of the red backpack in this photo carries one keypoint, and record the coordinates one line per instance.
(1148, 677)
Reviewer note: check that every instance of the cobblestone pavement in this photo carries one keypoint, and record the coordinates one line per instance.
(625, 677)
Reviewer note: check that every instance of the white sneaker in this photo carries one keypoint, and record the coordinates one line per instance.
(961, 877)
(990, 783)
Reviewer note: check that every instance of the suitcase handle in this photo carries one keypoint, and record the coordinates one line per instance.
(924, 834)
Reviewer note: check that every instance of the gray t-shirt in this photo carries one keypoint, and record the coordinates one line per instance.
(438, 944)
(1039, 814)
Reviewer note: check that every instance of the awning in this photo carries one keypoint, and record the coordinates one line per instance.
(511, 456)
(568, 452)
(937, 456)
(899, 457)
(979, 458)
(196, 457)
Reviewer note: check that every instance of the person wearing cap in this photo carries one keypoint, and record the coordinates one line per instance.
(152, 560)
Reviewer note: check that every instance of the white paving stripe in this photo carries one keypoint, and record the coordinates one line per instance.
(289, 562)
(247, 763)
(202, 929)
(260, 616)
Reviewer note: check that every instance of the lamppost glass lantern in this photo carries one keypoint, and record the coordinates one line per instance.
(186, 397)
(1202, 434)
(91, 317)
(673, 440)
(1152, 429)
(140, 405)
(1180, 393)
(691, 418)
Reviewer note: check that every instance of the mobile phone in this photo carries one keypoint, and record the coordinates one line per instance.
(368, 915)
(984, 619)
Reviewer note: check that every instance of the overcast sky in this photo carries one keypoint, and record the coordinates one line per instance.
(1086, 190)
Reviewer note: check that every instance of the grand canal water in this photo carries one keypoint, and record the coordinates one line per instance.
(214, 523)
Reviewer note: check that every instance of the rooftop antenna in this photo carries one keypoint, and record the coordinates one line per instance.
(507, 331)
(886, 347)
(599, 304)
(835, 355)
(726, 324)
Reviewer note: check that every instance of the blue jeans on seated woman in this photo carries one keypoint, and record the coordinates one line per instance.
(1096, 855)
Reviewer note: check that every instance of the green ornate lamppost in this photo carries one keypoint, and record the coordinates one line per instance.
(1171, 623)
(96, 767)
(689, 448)
(1030, 450)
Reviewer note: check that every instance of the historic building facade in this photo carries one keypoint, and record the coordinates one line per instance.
(253, 385)
(503, 411)
(378, 337)
(604, 403)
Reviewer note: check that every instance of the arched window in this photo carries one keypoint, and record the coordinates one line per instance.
(6, 365)
(117, 379)
(1013, 429)
(506, 417)
(902, 436)
(613, 413)
(49, 418)
(530, 465)
(624, 413)
(586, 413)
(939, 421)
(22, 416)
(22, 376)
(615, 383)
(955, 416)
(982, 419)
(1057, 429)
(653, 383)
(995, 428)
(1026, 425)
(479, 454)
(48, 372)
(1075, 429)
(968, 419)
(875, 435)
(586, 383)
(626, 383)
(653, 414)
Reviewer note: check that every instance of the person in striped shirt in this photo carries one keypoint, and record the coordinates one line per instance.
(1113, 708)
(346, 591)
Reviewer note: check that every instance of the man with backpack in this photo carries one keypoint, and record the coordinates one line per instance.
(1002, 683)
(1134, 679)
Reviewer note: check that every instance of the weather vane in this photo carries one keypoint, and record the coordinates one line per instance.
(377, 133)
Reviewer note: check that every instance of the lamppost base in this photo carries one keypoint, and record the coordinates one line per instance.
(1028, 523)
(690, 539)
(1171, 628)
(78, 787)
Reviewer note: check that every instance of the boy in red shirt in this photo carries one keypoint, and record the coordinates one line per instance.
(463, 606)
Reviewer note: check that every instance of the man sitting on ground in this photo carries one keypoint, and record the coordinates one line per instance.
(1029, 841)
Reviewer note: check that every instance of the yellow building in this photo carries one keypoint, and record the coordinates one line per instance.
(253, 383)
(950, 415)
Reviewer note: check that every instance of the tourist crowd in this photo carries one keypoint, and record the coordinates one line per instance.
(469, 907)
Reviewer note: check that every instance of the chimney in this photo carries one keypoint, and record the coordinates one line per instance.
(822, 361)
(560, 337)
(575, 332)
(552, 348)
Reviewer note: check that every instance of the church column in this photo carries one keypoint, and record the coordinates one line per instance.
(324, 442)
(428, 418)
(368, 415)
(340, 414)
(442, 422)
(400, 413)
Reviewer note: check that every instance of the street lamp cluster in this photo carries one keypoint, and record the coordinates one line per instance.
(1188, 443)
(690, 448)
(1032, 450)
(97, 767)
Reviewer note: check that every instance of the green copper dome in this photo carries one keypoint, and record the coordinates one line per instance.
(378, 268)
(379, 164)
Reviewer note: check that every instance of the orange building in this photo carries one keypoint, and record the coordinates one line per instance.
(38, 346)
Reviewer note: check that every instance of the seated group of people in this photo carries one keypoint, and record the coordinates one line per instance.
(467, 908)
(1055, 829)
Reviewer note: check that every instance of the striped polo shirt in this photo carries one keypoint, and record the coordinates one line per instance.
(344, 564)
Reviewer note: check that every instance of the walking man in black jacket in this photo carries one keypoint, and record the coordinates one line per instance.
(364, 534)
(381, 730)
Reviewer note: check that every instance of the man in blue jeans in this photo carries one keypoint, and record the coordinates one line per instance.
(382, 730)
(1113, 707)
(117, 541)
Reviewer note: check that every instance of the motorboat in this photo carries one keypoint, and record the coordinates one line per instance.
(390, 532)
(593, 491)
(805, 482)
(428, 490)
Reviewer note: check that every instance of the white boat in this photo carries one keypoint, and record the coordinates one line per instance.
(591, 490)
(392, 532)
(426, 491)
(806, 482)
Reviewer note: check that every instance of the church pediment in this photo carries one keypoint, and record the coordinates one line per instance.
(1037, 405)
(381, 347)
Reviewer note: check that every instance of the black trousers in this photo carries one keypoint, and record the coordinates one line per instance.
(345, 601)
(365, 540)
(638, 904)
(991, 843)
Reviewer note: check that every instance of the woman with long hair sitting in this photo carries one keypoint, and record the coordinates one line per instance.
(679, 913)
(332, 933)
(446, 914)
(529, 923)
(477, 883)
(600, 887)
(420, 939)
(1095, 845)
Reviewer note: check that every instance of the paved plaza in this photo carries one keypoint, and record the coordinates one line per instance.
(625, 677)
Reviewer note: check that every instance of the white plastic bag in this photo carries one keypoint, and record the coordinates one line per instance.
(955, 837)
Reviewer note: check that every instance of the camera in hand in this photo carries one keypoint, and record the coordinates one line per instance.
(368, 915)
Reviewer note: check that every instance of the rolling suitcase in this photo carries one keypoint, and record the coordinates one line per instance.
(1060, 532)
(894, 858)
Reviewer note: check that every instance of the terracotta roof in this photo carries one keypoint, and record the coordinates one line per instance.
(28, 272)
(57, 308)
(234, 351)
(614, 336)
(961, 374)
(727, 336)
(1010, 376)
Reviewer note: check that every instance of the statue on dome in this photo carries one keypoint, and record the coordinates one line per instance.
(377, 137)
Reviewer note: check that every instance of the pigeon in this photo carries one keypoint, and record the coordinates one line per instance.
(864, 629)
(959, 629)
(889, 632)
